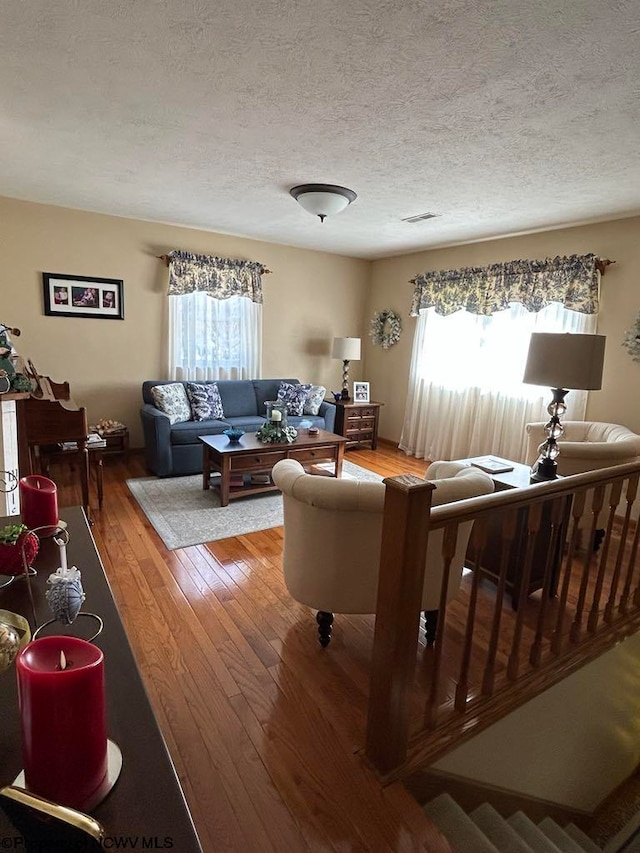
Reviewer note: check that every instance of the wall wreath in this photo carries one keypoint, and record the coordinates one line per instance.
(385, 329)
(631, 340)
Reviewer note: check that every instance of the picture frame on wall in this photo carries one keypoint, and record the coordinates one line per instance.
(361, 392)
(83, 296)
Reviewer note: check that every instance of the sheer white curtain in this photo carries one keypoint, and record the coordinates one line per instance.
(466, 396)
(214, 338)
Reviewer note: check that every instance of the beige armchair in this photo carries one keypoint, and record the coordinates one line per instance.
(332, 538)
(586, 445)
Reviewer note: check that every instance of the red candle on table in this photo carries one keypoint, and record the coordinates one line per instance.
(38, 502)
(62, 710)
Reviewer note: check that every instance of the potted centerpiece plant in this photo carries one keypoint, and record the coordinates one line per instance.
(14, 538)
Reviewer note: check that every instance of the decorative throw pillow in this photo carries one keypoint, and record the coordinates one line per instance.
(315, 396)
(206, 404)
(293, 396)
(172, 400)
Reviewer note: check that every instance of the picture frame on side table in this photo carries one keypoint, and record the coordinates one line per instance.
(361, 392)
(82, 296)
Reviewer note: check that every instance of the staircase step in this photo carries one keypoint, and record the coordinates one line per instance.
(458, 828)
(498, 831)
(534, 837)
(558, 836)
(582, 839)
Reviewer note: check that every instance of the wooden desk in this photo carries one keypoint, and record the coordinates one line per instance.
(147, 801)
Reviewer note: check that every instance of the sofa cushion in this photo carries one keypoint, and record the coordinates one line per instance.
(315, 396)
(173, 401)
(249, 423)
(187, 433)
(267, 391)
(205, 401)
(238, 398)
(293, 396)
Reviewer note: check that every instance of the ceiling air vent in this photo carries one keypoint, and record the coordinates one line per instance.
(421, 217)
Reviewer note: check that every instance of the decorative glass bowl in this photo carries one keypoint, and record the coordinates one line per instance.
(234, 434)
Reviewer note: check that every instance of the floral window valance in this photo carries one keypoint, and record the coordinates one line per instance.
(219, 277)
(573, 281)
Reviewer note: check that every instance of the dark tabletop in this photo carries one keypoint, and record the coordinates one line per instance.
(249, 442)
(147, 801)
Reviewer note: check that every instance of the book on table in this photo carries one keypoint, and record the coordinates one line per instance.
(237, 481)
(492, 464)
(93, 440)
(260, 479)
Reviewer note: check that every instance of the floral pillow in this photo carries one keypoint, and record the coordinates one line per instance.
(315, 396)
(206, 404)
(172, 400)
(293, 396)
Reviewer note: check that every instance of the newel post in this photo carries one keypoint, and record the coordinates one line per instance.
(402, 560)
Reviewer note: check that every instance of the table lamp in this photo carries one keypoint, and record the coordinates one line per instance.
(563, 361)
(348, 349)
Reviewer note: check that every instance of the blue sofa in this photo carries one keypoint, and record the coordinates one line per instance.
(174, 449)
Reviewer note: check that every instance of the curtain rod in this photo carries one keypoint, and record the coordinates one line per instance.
(601, 266)
(167, 261)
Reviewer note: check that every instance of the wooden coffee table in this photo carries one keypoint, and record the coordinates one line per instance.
(252, 460)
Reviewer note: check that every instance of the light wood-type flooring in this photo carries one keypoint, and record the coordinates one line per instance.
(263, 725)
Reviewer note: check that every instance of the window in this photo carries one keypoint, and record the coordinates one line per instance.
(214, 338)
(215, 317)
(465, 395)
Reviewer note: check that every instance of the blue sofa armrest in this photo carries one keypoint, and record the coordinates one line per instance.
(157, 440)
(328, 412)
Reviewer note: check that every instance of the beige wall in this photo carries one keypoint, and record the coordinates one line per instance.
(309, 298)
(388, 371)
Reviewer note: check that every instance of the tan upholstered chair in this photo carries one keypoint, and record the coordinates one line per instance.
(586, 445)
(332, 538)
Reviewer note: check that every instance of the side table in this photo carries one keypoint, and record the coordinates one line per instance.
(117, 442)
(357, 422)
(518, 478)
(48, 453)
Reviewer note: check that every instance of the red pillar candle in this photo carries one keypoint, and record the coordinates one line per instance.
(38, 503)
(64, 740)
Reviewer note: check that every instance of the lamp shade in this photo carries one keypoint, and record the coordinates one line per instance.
(323, 199)
(348, 349)
(565, 361)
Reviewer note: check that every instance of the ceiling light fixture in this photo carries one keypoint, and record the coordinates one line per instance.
(323, 200)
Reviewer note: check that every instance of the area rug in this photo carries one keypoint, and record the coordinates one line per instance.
(183, 513)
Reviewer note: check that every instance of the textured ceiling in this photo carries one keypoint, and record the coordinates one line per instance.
(501, 116)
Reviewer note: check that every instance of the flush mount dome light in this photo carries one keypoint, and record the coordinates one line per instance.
(323, 200)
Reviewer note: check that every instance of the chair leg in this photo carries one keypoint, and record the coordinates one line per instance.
(430, 625)
(325, 621)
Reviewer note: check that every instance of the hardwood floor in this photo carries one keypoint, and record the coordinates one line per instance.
(262, 723)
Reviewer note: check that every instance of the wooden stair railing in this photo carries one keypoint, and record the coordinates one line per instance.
(589, 600)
